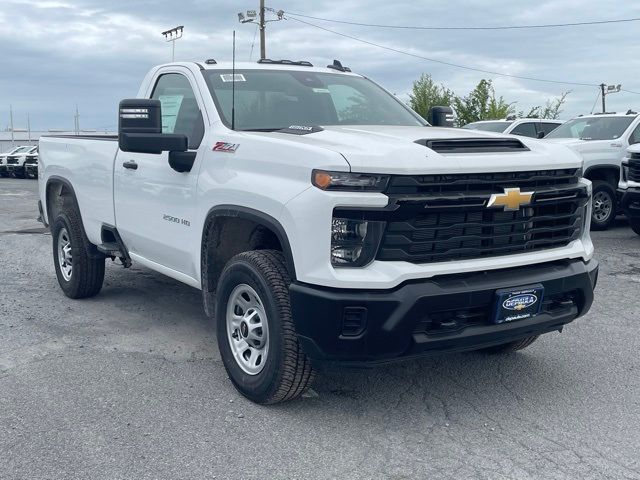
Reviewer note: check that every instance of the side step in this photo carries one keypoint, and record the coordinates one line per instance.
(110, 249)
(114, 247)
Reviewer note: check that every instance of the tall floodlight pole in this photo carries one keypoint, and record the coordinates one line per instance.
(171, 36)
(258, 18)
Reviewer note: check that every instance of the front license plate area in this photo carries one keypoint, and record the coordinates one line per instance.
(518, 303)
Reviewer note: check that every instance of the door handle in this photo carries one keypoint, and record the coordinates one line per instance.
(131, 165)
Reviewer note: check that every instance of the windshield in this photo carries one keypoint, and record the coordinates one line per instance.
(593, 128)
(20, 150)
(276, 99)
(497, 127)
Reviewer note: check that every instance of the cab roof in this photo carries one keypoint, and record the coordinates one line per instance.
(300, 66)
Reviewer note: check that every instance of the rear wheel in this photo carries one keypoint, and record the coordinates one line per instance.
(604, 205)
(80, 271)
(255, 331)
(511, 346)
(635, 225)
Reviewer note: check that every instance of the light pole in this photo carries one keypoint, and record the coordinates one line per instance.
(171, 36)
(258, 18)
(608, 90)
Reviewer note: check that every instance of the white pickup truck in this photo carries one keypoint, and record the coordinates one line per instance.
(629, 187)
(324, 222)
(601, 140)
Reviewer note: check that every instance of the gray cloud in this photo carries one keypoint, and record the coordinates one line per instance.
(57, 53)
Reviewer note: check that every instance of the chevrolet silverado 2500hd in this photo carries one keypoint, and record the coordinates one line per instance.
(324, 221)
(629, 189)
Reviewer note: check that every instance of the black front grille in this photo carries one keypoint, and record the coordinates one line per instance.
(442, 218)
(634, 168)
(31, 161)
(12, 160)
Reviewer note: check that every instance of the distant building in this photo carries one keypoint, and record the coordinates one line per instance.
(23, 137)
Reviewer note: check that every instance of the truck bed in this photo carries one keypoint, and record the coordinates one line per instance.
(86, 162)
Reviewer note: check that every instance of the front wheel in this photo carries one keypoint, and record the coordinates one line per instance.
(255, 331)
(635, 225)
(604, 205)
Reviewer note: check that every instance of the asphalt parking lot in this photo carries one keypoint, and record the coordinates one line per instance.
(129, 385)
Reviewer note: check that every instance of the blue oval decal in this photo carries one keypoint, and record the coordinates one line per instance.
(520, 302)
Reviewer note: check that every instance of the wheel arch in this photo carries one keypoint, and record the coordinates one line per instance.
(232, 229)
(607, 173)
(55, 188)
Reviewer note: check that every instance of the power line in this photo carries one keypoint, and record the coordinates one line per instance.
(503, 27)
(402, 52)
(629, 91)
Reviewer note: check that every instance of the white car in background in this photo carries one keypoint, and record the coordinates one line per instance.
(602, 141)
(525, 127)
(5, 155)
(16, 163)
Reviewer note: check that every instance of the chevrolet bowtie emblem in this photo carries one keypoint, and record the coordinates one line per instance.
(511, 200)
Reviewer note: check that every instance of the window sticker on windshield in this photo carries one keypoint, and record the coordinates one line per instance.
(321, 90)
(228, 77)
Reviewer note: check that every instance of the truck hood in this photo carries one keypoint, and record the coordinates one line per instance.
(383, 149)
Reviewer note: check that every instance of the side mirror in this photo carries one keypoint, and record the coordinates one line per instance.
(441, 116)
(540, 135)
(140, 129)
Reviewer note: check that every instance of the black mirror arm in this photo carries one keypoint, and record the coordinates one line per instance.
(182, 161)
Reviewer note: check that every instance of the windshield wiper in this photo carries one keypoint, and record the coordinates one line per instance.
(260, 129)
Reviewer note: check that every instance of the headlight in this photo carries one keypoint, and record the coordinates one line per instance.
(352, 182)
(354, 243)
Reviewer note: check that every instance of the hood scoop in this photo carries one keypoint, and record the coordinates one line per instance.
(474, 145)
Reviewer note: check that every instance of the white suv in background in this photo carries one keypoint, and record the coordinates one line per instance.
(16, 151)
(526, 127)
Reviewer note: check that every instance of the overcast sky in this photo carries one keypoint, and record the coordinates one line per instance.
(59, 53)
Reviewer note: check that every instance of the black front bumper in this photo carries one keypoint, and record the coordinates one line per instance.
(630, 202)
(442, 314)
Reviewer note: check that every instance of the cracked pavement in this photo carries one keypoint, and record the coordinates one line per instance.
(130, 384)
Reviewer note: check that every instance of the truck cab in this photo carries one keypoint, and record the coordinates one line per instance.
(325, 222)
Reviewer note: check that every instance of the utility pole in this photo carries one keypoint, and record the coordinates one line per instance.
(263, 47)
(608, 90)
(11, 119)
(76, 121)
(250, 17)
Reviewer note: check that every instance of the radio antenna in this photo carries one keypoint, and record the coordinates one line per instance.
(233, 84)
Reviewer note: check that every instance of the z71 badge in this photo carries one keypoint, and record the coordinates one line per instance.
(225, 147)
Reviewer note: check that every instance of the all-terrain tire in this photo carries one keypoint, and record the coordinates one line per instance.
(603, 193)
(511, 346)
(87, 266)
(287, 372)
(635, 225)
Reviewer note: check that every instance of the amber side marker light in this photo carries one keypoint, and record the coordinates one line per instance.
(321, 179)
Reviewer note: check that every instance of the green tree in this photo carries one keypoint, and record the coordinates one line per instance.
(426, 94)
(551, 110)
(482, 104)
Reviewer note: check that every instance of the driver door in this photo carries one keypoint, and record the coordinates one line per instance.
(154, 204)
